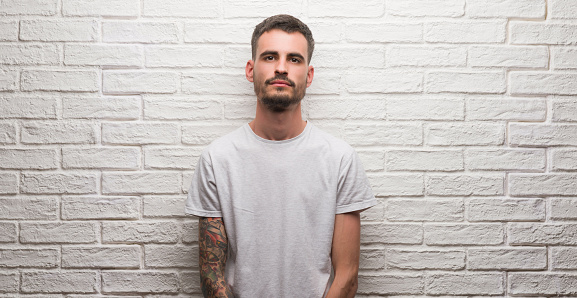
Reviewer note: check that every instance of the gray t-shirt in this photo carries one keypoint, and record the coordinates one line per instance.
(278, 201)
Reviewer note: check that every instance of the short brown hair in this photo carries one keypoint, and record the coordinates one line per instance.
(286, 23)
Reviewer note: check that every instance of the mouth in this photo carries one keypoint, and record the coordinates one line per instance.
(280, 83)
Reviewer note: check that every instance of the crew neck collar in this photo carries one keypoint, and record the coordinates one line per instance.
(307, 128)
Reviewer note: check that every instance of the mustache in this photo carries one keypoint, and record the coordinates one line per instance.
(282, 78)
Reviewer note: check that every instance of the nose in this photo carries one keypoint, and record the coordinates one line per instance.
(281, 67)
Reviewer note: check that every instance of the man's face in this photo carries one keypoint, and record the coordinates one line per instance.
(280, 72)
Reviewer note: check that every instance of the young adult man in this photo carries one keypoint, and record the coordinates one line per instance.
(278, 199)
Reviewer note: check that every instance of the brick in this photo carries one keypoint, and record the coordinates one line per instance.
(565, 58)
(505, 159)
(543, 83)
(117, 256)
(465, 82)
(139, 282)
(424, 160)
(170, 158)
(29, 257)
(505, 209)
(564, 258)
(384, 32)
(175, 8)
(371, 81)
(203, 134)
(542, 135)
(326, 84)
(347, 9)
(372, 160)
(183, 56)
(8, 30)
(8, 183)
(58, 132)
(164, 206)
(529, 283)
(509, 56)
(401, 284)
(564, 109)
(29, 54)
(346, 109)
(347, 56)
(190, 282)
(424, 210)
(218, 32)
(190, 230)
(564, 159)
(466, 32)
(140, 32)
(423, 8)
(29, 208)
(419, 259)
(57, 183)
(397, 184)
(425, 108)
(506, 8)
(384, 134)
(141, 183)
(118, 107)
(462, 134)
(372, 259)
(240, 109)
(59, 30)
(7, 133)
(171, 256)
(100, 208)
(562, 9)
(216, 83)
(60, 80)
(139, 133)
(29, 7)
(9, 282)
(8, 80)
(174, 108)
(58, 232)
(105, 8)
(463, 234)
(235, 55)
(391, 233)
(59, 282)
(543, 33)
(542, 184)
(40, 159)
(136, 82)
(375, 213)
(465, 283)
(28, 107)
(326, 31)
(564, 208)
(8, 233)
(139, 232)
(464, 184)
(542, 234)
(430, 56)
(101, 158)
(103, 55)
(520, 109)
(507, 259)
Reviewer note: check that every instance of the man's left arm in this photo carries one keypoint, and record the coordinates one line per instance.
(345, 254)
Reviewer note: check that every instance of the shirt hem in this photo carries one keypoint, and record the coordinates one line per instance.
(356, 206)
(202, 213)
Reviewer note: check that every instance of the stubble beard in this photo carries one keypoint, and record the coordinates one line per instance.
(278, 100)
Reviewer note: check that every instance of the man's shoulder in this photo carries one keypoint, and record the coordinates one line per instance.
(226, 142)
(325, 138)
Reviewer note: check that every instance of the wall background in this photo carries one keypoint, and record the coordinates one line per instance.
(464, 113)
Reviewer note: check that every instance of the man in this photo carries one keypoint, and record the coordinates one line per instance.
(279, 199)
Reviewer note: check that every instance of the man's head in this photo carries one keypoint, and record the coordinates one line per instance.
(286, 23)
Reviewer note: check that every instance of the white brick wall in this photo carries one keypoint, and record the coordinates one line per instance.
(464, 113)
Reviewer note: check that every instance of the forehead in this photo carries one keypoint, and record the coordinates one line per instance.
(280, 41)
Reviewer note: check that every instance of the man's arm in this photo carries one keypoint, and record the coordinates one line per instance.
(213, 249)
(345, 254)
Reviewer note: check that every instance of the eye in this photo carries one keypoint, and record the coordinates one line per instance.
(295, 60)
(268, 58)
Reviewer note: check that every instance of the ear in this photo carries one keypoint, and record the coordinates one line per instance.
(249, 71)
(310, 75)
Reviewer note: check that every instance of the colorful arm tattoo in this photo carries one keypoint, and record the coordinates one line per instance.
(213, 249)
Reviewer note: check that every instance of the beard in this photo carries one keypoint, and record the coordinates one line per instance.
(278, 99)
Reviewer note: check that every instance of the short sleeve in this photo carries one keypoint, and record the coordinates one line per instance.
(202, 197)
(354, 191)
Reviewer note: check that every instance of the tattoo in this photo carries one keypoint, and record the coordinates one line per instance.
(213, 249)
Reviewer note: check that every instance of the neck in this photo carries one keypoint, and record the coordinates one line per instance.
(278, 126)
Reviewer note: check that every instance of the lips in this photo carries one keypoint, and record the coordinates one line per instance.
(280, 82)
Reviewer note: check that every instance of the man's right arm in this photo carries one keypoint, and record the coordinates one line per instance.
(213, 249)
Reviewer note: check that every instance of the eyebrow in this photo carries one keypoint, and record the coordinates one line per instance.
(275, 53)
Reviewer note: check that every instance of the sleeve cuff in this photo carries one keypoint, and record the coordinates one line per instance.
(356, 206)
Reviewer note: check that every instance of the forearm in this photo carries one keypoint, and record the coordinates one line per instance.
(345, 255)
(213, 249)
(344, 285)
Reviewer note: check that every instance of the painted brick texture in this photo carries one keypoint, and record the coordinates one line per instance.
(464, 113)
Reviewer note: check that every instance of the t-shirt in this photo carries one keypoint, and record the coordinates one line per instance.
(278, 201)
